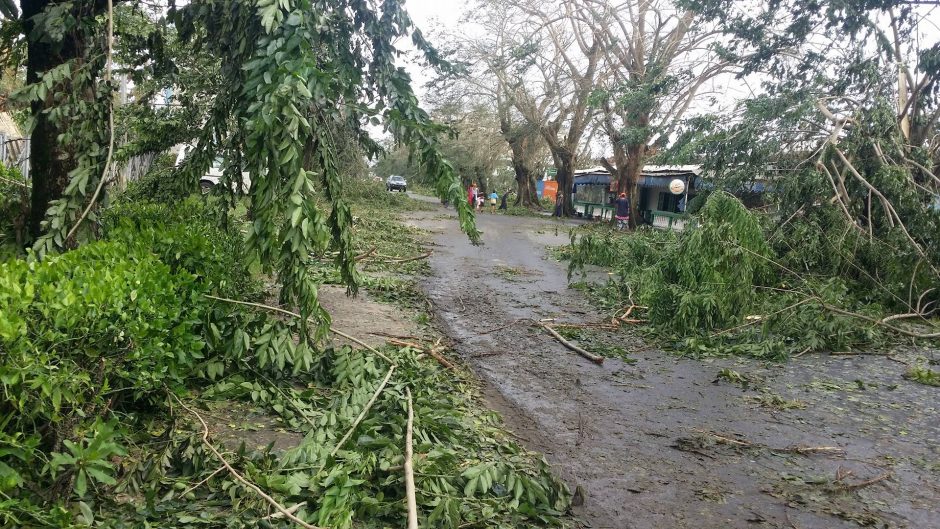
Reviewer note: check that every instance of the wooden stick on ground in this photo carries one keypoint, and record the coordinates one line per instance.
(360, 342)
(205, 440)
(393, 259)
(365, 410)
(201, 483)
(292, 509)
(435, 353)
(872, 481)
(409, 468)
(597, 359)
(362, 256)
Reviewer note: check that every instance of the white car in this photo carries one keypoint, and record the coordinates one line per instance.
(214, 175)
(396, 183)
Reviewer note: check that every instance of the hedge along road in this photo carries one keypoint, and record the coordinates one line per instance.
(661, 441)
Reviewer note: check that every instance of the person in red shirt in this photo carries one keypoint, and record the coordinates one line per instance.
(623, 211)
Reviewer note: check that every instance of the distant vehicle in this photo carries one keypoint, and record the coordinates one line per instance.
(214, 175)
(396, 183)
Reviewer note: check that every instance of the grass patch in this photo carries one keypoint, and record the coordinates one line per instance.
(923, 375)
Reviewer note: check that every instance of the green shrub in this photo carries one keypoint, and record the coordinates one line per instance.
(721, 288)
(107, 330)
(102, 327)
(187, 236)
(158, 184)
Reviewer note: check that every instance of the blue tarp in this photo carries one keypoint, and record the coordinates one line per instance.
(592, 179)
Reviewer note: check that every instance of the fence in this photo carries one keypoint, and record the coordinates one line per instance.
(14, 152)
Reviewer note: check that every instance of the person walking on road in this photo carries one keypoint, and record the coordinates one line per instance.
(559, 205)
(502, 202)
(494, 196)
(622, 213)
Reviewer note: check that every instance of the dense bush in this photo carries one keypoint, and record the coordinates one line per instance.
(96, 329)
(159, 183)
(706, 282)
(105, 331)
(187, 236)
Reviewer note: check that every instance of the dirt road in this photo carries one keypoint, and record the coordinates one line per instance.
(637, 437)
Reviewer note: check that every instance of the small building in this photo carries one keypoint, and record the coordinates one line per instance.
(594, 192)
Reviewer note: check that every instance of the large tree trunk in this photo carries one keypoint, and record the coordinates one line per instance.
(628, 180)
(564, 168)
(49, 163)
(525, 185)
(626, 169)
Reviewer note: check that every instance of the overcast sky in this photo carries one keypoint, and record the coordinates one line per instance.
(429, 15)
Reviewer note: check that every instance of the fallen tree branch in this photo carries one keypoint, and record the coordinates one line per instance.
(360, 257)
(298, 316)
(763, 318)
(896, 329)
(803, 450)
(394, 259)
(597, 359)
(205, 440)
(360, 342)
(363, 413)
(433, 352)
(436, 354)
(398, 336)
(409, 468)
(793, 449)
(610, 326)
(292, 509)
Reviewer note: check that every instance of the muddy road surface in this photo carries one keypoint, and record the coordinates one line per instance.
(652, 440)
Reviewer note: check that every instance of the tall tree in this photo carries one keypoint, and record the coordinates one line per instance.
(489, 62)
(657, 58)
(564, 51)
(64, 60)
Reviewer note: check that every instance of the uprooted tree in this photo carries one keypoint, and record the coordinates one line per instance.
(845, 252)
(843, 130)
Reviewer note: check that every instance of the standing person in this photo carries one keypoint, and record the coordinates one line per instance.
(502, 202)
(472, 194)
(479, 202)
(559, 205)
(494, 196)
(622, 213)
